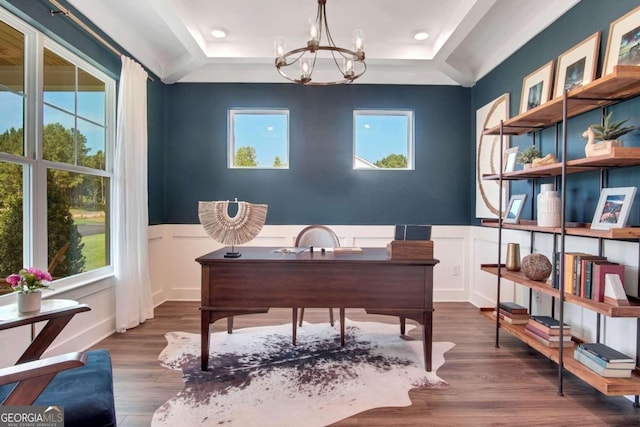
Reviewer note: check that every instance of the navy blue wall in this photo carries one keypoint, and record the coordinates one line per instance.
(580, 22)
(187, 137)
(321, 185)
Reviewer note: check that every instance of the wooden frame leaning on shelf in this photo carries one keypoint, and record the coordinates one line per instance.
(577, 66)
(622, 44)
(536, 87)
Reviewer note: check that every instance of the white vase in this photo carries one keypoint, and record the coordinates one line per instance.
(549, 207)
(28, 303)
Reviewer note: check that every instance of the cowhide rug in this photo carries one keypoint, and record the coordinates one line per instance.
(257, 377)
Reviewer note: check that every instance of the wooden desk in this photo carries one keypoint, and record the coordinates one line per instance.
(56, 312)
(261, 279)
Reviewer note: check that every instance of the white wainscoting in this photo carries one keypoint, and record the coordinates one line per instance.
(461, 250)
(176, 275)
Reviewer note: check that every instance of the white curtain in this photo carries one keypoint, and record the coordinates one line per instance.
(133, 283)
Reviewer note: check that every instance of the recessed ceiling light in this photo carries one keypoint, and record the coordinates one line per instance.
(421, 35)
(219, 33)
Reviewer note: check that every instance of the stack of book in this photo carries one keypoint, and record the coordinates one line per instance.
(604, 360)
(546, 330)
(513, 313)
(585, 274)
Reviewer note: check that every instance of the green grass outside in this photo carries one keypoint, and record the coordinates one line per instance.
(94, 251)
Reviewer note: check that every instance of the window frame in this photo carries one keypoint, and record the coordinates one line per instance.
(410, 136)
(35, 235)
(231, 146)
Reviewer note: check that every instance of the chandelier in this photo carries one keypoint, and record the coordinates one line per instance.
(349, 63)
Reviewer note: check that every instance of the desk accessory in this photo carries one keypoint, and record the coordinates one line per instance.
(412, 232)
(236, 230)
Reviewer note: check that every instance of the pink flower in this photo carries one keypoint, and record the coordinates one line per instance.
(13, 280)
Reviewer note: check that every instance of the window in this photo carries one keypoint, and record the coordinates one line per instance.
(56, 143)
(382, 139)
(258, 138)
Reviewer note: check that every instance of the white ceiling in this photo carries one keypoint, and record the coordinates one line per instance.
(468, 38)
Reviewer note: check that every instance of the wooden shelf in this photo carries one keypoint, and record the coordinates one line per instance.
(571, 229)
(622, 83)
(607, 386)
(619, 157)
(546, 288)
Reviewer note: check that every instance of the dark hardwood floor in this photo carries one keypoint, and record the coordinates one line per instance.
(511, 385)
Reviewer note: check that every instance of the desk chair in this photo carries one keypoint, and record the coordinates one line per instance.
(318, 236)
(82, 383)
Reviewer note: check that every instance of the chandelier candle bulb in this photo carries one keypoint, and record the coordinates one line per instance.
(281, 46)
(358, 42)
(305, 69)
(549, 206)
(314, 41)
(348, 67)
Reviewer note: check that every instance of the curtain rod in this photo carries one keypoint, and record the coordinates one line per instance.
(66, 12)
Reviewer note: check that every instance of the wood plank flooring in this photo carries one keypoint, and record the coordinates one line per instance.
(488, 386)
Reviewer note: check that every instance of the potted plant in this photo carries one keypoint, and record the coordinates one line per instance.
(608, 133)
(28, 283)
(527, 156)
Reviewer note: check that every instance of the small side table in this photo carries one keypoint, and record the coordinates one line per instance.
(56, 312)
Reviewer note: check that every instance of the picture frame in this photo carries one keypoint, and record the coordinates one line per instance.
(613, 208)
(622, 44)
(577, 66)
(514, 210)
(536, 87)
(509, 159)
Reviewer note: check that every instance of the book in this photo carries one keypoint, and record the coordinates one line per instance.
(604, 363)
(606, 353)
(555, 271)
(588, 289)
(570, 271)
(512, 307)
(600, 269)
(547, 343)
(580, 266)
(549, 322)
(512, 320)
(548, 337)
(547, 330)
(601, 370)
(515, 315)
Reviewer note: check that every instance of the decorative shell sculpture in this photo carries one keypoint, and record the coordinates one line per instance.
(236, 230)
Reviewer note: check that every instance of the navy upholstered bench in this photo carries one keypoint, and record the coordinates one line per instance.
(85, 392)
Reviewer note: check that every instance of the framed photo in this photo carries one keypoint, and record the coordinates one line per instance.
(623, 45)
(613, 208)
(536, 87)
(516, 203)
(577, 66)
(509, 159)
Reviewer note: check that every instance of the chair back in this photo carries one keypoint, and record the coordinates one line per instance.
(317, 235)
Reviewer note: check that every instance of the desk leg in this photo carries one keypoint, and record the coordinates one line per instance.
(294, 322)
(204, 340)
(342, 316)
(427, 338)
